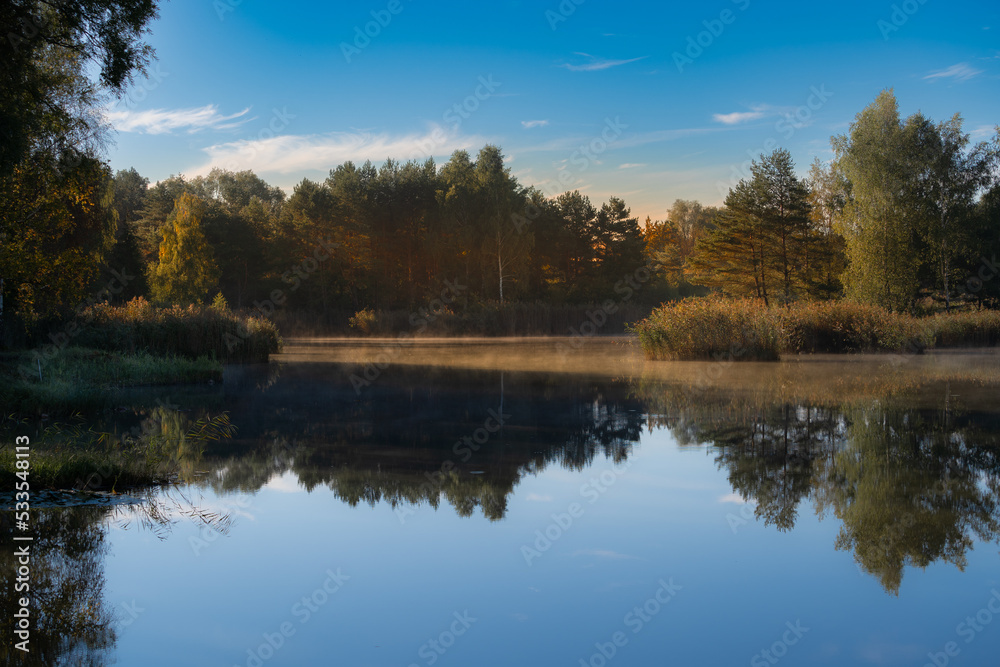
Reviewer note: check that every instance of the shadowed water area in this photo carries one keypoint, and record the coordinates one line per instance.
(544, 502)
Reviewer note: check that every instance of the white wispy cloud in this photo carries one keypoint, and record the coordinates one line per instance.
(292, 153)
(596, 63)
(631, 165)
(732, 498)
(534, 123)
(535, 498)
(737, 117)
(984, 132)
(959, 72)
(163, 121)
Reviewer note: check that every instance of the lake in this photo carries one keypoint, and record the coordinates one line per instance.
(547, 502)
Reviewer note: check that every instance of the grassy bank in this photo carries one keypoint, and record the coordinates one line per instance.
(191, 332)
(78, 379)
(745, 330)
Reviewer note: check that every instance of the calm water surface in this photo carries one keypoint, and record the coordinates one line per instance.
(549, 503)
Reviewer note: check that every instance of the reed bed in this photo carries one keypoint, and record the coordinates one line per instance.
(191, 332)
(703, 328)
(746, 330)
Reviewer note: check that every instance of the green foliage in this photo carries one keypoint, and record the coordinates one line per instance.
(504, 242)
(761, 241)
(671, 244)
(618, 244)
(186, 270)
(126, 256)
(878, 220)
(219, 303)
(948, 177)
(56, 227)
(826, 260)
(45, 45)
(909, 212)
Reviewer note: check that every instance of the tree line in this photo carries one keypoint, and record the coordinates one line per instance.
(389, 235)
(906, 216)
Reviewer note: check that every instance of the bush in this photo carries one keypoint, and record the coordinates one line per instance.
(192, 332)
(364, 321)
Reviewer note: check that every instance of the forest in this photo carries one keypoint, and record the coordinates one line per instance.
(905, 216)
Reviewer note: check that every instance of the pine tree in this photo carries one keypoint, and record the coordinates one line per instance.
(761, 240)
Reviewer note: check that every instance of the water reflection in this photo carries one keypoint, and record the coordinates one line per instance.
(910, 485)
(70, 622)
(907, 463)
(423, 435)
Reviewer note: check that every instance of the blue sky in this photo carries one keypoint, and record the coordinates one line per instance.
(647, 101)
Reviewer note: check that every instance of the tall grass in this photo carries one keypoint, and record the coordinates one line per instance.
(192, 332)
(715, 328)
(703, 328)
(966, 329)
(845, 326)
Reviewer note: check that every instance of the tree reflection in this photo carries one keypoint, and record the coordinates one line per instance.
(908, 469)
(911, 485)
(422, 436)
(910, 489)
(70, 623)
